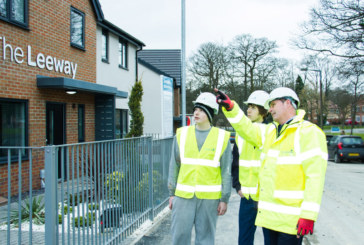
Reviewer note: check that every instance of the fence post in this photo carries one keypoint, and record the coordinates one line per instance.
(150, 179)
(51, 207)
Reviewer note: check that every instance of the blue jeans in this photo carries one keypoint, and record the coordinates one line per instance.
(247, 214)
(280, 238)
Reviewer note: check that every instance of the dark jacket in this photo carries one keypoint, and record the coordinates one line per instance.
(235, 168)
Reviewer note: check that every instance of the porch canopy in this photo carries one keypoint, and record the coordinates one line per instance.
(67, 84)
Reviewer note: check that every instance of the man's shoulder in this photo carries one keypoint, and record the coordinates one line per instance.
(309, 126)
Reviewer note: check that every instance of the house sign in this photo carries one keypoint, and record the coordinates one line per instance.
(36, 60)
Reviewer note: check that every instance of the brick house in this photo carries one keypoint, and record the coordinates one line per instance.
(48, 89)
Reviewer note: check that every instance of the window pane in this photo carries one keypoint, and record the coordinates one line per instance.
(121, 123)
(117, 124)
(3, 8)
(104, 46)
(122, 54)
(77, 28)
(124, 122)
(81, 123)
(17, 11)
(12, 124)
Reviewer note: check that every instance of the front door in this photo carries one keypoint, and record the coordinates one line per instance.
(55, 132)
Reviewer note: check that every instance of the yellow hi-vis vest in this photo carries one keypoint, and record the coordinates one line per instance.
(200, 172)
(291, 178)
(249, 166)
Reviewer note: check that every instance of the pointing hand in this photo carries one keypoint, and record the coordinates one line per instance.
(224, 100)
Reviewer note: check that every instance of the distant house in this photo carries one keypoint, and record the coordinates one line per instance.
(162, 64)
(157, 102)
(117, 66)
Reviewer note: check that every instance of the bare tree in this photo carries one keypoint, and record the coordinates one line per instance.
(209, 64)
(329, 76)
(335, 28)
(247, 53)
(353, 72)
(284, 76)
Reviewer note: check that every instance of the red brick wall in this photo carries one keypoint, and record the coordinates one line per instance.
(49, 34)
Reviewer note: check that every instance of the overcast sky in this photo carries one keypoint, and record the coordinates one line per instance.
(157, 23)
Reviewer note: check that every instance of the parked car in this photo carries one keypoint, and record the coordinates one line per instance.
(328, 138)
(346, 147)
(348, 122)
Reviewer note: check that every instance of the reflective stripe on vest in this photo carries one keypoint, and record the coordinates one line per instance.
(310, 206)
(249, 163)
(288, 194)
(200, 188)
(296, 159)
(284, 209)
(249, 190)
(237, 118)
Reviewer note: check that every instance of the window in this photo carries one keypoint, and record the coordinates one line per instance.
(105, 46)
(121, 124)
(352, 141)
(81, 123)
(123, 54)
(14, 11)
(77, 28)
(13, 126)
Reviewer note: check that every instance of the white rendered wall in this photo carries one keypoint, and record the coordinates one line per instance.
(152, 102)
(111, 74)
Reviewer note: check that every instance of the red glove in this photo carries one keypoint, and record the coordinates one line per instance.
(224, 100)
(304, 226)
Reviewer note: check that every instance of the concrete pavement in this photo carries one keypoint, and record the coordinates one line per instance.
(226, 231)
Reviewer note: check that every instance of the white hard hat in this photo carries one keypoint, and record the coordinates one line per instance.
(280, 93)
(209, 100)
(258, 97)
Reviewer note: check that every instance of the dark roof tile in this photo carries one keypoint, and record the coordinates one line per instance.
(166, 60)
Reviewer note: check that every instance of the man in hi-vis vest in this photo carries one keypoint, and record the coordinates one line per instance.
(245, 170)
(293, 165)
(199, 175)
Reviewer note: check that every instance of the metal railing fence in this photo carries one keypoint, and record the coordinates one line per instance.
(95, 192)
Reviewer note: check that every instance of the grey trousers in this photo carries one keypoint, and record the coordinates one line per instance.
(199, 212)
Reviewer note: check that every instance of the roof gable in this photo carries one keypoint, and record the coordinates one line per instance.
(97, 8)
(101, 21)
(165, 60)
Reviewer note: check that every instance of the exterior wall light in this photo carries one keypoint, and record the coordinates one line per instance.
(71, 91)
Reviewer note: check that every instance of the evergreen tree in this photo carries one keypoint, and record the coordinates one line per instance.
(299, 85)
(137, 118)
